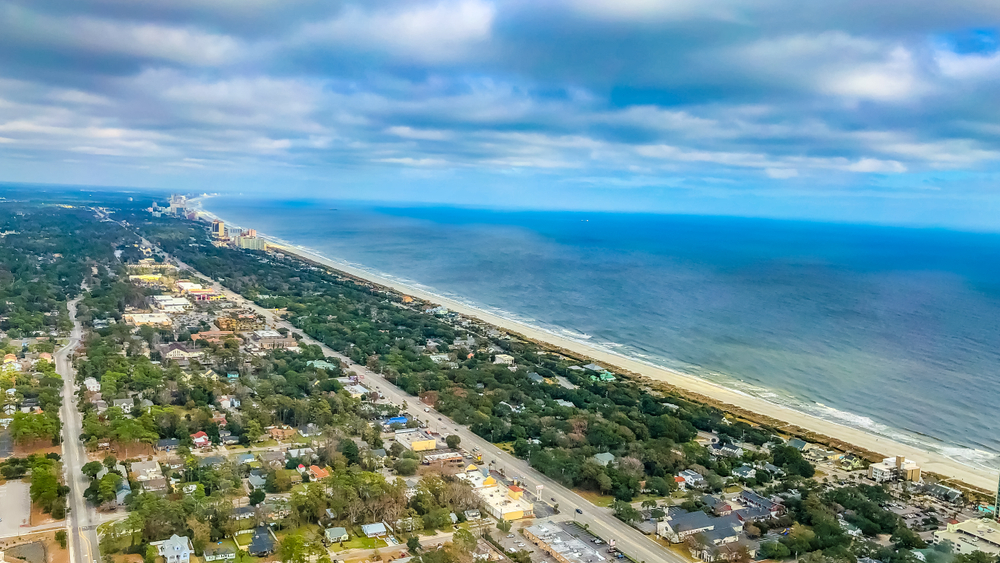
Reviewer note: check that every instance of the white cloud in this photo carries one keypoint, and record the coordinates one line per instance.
(966, 66)
(653, 10)
(781, 173)
(876, 165)
(418, 134)
(441, 32)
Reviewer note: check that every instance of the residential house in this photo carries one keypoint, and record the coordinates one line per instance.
(336, 535)
(244, 512)
(126, 405)
(281, 433)
(725, 450)
(376, 530)
(690, 478)
(718, 506)
(213, 461)
(752, 499)
(257, 479)
(797, 444)
(167, 444)
(745, 472)
(155, 485)
(263, 542)
(92, 385)
(316, 473)
(146, 470)
(273, 459)
(604, 458)
(228, 402)
(201, 440)
(177, 549)
(503, 359)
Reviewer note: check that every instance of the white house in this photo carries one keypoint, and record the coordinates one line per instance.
(229, 402)
(175, 550)
(92, 385)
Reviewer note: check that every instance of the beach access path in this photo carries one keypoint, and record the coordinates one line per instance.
(929, 461)
(600, 521)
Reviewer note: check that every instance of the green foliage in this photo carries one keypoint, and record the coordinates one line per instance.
(453, 441)
(61, 538)
(406, 467)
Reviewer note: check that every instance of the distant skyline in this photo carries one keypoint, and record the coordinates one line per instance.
(850, 111)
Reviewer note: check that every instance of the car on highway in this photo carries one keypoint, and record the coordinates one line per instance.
(553, 499)
(578, 511)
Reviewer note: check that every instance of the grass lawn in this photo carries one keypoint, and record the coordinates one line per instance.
(597, 499)
(359, 541)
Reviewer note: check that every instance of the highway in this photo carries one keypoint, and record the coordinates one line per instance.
(600, 521)
(81, 522)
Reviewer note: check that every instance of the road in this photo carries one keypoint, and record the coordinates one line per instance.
(82, 519)
(600, 521)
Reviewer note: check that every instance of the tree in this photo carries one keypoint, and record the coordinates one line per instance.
(351, 452)
(91, 469)
(406, 466)
(413, 544)
(61, 538)
(625, 512)
(257, 497)
(774, 550)
(504, 526)
(453, 441)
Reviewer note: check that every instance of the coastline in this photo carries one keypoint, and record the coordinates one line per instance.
(725, 398)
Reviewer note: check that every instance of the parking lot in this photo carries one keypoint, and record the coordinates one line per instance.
(16, 507)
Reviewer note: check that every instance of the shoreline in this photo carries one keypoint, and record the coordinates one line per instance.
(731, 400)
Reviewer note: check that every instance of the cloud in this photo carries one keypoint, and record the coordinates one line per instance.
(717, 98)
(781, 173)
(434, 33)
(420, 134)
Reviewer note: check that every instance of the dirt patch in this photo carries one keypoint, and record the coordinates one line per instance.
(33, 552)
(40, 518)
(40, 447)
(122, 558)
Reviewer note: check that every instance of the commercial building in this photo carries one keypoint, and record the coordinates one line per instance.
(501, 502)
(972, 535)
(170, 303)
(153, 319)
(416, 439)
(894, 469)
(561, 545)
(218, 229)
(271, 340)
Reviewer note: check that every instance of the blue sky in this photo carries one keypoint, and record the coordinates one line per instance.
(850, 111)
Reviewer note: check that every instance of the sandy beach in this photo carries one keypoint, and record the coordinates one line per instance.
(929, 461)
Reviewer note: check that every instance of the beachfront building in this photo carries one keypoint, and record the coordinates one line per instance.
(894, 469)
(972, 535)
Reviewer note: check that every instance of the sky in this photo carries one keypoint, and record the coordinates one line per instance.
(879, 112)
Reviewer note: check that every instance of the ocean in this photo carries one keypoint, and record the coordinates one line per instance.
(888, 329)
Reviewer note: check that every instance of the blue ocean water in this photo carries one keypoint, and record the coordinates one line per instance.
(889, 329)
